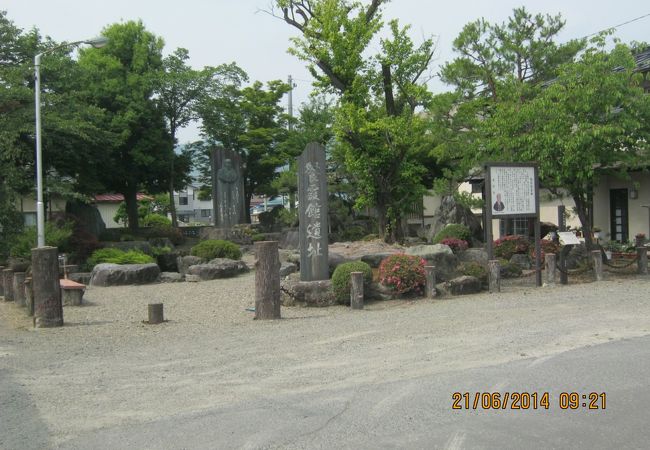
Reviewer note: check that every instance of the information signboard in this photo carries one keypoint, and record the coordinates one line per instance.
(513, 191)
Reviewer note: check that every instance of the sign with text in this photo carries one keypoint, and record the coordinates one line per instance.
(513, 190)
(568, 238)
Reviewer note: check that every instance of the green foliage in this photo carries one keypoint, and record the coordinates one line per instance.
(474, 269)
(117, 256)
(510, 245)
(158, 251)
(341, 279)
(403, 273)
(287, 217)
(258, 237)
(455, 231)
(508, 269)
(156, 220)
(351, 233)
(55, 236)
(216, 248)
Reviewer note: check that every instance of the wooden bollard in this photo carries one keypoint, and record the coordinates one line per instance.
(19, 288)
(598, 264)
(494, 276)
(267, 280)
(48, 309)
(642, 260)
(156, 315)
(356, 290)
(551, 266)
(29, 296)
(2, 282)
(8, 282)
(430, 287)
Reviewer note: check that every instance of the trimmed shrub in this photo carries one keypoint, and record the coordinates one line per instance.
(453, 230)
(456, 245)
(154, 220)
(216, 248)
(341, 279)
(117, 256)
(403, 273)
(510, 245)
(474, 269)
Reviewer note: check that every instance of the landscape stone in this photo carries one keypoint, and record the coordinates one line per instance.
(192, 278)
(290, 239)
(523, 261)
(478, 255)
(451, 211)
(335, 260)
(438, 255)
(375, 259)
(287, 268)
(218, 268)
(168, 262)
(171, 277)
(377, 291)
(184, 262)
(125, 274)
(464, 285)
(309, 293)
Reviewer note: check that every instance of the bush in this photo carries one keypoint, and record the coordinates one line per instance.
(510, 245)
(474, 269)
(453, 230)
(117, 256)
(547, 247)
(508, 269)
(257, 237)
(351, 233)
(156, 220)
(456, 245)
(403, 273)
(157, 251)
(165, 231)
(216, 248)
(55, 236)
(341, 279)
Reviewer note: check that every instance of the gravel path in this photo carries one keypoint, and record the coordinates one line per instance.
(106, 368)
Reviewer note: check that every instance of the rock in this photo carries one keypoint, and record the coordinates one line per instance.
(578, 257)
(478, 255)
(464, 285)
(374, 259)
(184, 262)
(438, 255)
(292, 258)
(218, 268)
(192, 278)
(336, 259)
(309, 293)
(143, 246)
(87, 216)
(287, 268)
(451, 211)
(171, 277)
(377, 291)
(126, 274)
(510, 270)
(80, 277)
(168, 262)
(290, 240)
(522, 261)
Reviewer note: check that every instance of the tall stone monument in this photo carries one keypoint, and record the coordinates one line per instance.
(312, 195)
(227, 189)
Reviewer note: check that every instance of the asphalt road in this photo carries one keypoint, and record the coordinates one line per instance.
(417, 413)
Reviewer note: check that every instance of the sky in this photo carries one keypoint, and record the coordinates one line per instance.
(223, 31)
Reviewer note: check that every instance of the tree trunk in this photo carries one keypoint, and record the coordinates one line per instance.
(48, 309)
(382, 220)
(172, 205)
(267, 280)
(582, 209)
(131, 201)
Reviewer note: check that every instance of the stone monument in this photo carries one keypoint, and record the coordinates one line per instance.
(312, 195)
(227, 189)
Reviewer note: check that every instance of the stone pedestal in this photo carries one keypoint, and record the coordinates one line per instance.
(19, 288)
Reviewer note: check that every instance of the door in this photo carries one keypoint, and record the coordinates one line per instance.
(619, 224)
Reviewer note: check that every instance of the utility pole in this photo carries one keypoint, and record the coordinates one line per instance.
(290, 108)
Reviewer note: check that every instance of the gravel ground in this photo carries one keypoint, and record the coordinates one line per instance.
(106, 368)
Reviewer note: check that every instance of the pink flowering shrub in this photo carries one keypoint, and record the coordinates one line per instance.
(456, 245)
(510, 245)
(403, 273)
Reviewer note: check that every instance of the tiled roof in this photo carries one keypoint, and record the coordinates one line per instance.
(116, 198)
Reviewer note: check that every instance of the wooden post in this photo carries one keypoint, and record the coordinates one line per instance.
(2, 281)
(8, 282)
(48, 309)
(267, 280)
(356, 290)
(550, 268)
(156, 315)
(598, 264)
(431, 281)
(29, 296)
(494, 276)
(19, 288)
(642, 258)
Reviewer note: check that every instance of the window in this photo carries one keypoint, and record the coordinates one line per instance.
(184, 218)
(30, 219)
(206, 212)
(477, 188)
(183, 200)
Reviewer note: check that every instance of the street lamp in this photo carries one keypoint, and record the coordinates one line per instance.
(96, 42)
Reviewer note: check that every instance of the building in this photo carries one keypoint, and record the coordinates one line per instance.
(190, 208)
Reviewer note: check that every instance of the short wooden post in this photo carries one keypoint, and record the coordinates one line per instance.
(2, 281)
(19, 288)
(551, 266)
(8, 282)
(29, 296)
(494, 276)
(564, 274)
(642, 259)
(431, 281)
(356, 290)
(156, 315)
(267, 280)
(598, 264)
(48, 309)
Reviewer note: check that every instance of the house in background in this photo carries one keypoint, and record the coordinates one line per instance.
(108, 204)
(190, 209)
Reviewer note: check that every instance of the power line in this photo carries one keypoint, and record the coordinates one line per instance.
(617, 26)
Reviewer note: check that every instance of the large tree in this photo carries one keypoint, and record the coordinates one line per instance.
(380, 95)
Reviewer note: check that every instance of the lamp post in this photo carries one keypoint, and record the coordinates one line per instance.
(40, 209)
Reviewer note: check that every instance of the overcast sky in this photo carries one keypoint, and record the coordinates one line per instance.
(222, 31)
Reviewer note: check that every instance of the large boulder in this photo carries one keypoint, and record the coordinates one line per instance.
(290, 239)
(287, 268)
(464, 285)
(478, 255)
(126, 274)
(171, 277)
(168, 262)
(438, 255)
(375, 259)
(336, 259)
(308, 293)
(185, 262)
(88, 216)
(451, 211)
(218, 268)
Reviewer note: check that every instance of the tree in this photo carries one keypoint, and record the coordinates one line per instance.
(121, 79)
(250, 121)
(377, 121)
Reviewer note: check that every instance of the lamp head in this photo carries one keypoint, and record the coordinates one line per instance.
(97, 42)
